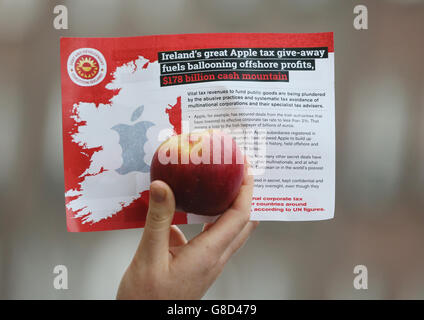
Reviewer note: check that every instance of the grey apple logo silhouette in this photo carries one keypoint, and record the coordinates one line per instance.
(132, 139)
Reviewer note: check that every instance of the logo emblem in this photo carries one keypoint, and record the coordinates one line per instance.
(132, 139)
(86, 67)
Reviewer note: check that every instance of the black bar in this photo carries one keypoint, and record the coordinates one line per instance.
(237, 65)
(218, 309)
(197, 54)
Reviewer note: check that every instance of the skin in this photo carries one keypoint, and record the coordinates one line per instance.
(167, 266)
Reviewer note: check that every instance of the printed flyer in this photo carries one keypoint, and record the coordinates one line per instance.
(122, 97)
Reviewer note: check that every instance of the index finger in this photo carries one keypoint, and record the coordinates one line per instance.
(220, 235)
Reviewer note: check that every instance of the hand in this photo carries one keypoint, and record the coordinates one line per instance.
(166, 266)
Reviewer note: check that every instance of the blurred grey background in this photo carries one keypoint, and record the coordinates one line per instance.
(379, 218)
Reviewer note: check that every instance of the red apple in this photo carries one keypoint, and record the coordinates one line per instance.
(204, 170)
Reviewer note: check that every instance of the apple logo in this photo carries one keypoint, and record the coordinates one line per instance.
(132, 139)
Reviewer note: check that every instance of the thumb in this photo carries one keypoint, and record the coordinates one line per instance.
(155, 241)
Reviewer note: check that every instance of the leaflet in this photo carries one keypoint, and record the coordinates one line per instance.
(122, 97)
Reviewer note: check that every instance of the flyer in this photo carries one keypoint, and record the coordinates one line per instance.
(122, 97)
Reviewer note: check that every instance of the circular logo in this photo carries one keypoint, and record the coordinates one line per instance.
(87, 67)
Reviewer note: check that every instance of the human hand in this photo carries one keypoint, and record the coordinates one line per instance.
(167, 266)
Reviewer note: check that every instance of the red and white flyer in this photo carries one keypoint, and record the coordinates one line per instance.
(122, 97)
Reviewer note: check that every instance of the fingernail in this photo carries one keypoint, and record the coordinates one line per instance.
(158, 193)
